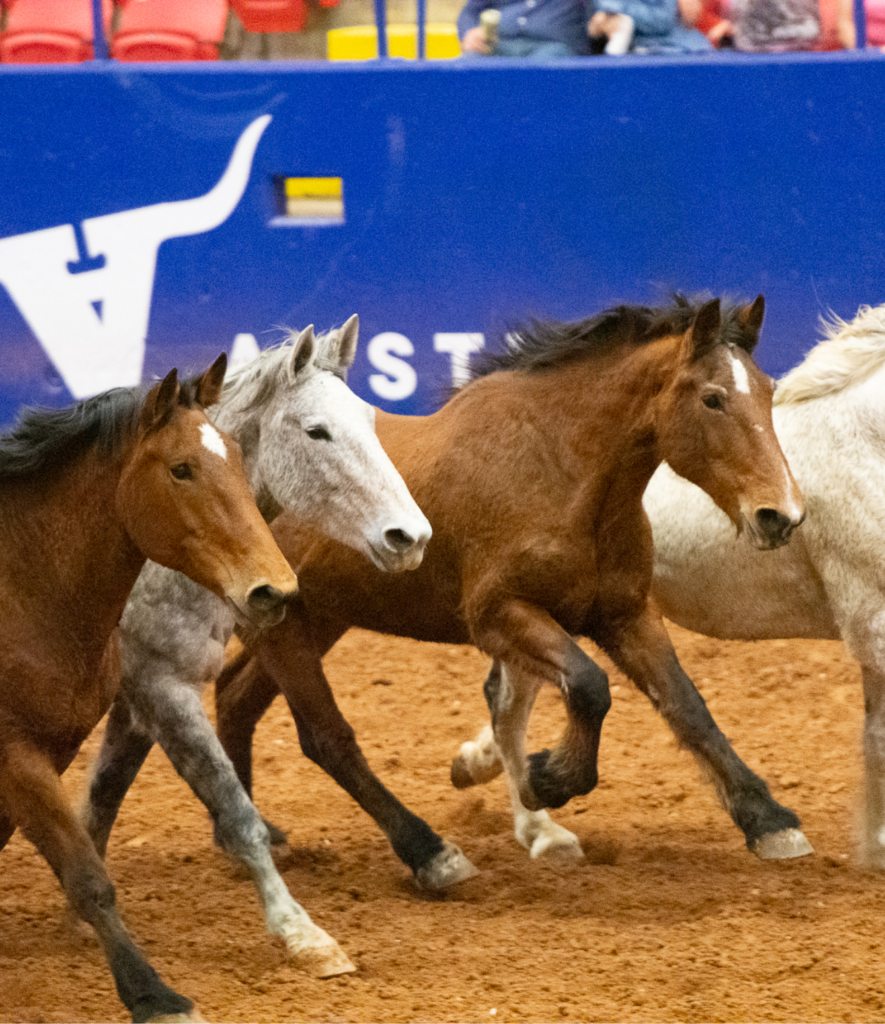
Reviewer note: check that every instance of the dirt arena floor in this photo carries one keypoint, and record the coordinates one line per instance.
(669, 919)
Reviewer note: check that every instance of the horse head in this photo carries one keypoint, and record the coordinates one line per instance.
(716, 426)
(313, 451)
(185, 501)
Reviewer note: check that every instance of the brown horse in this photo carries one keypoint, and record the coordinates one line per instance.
(86, 496)
(532, 477)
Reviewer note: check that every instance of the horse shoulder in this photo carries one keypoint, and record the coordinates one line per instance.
(172, 628)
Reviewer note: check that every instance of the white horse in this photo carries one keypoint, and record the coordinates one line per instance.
(310, 446)
(828, 583)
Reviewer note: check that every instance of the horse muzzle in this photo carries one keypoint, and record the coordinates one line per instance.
(400, 548)
(769, 528)
(264, 606)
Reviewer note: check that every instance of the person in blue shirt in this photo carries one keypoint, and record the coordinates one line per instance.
(545, 29)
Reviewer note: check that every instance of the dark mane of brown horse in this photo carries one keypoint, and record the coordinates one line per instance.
(545, 343)
(43, 438)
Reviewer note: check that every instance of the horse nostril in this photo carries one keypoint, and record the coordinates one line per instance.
(399, 540)
(773, 523)
(265, 598)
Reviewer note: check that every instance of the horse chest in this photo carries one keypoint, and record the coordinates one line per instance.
(69, 688)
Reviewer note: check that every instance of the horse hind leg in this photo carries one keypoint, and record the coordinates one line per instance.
(34, 798)
(479, 761)
(290, 660)
(872, 840)
(123, 751)
(243, 693)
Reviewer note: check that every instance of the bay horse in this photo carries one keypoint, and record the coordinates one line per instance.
(86, 495)
(532, 476)
(830, 420)
(310, 447)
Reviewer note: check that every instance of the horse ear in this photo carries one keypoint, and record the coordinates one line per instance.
(302, 351)
(160, 402)
(348, 337)
(703, 334)
(210, 384)
(751, 318)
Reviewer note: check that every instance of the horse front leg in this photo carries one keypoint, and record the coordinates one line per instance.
(289, 658)
(872, 843)
(124, 749)
(174, 713)
(643, 651)
(32, 797)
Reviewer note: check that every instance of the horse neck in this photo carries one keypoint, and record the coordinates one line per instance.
(605, 411)
(67, 521)
(239, 414)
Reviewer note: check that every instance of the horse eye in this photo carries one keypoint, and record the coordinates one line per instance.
(318, 434)
(713, 400)
(182, 471)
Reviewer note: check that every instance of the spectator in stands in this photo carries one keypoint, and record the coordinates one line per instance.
(773, 26)
(875, 12)
(544, 29)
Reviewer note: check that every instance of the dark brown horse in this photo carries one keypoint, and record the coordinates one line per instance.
(86, 496)
(532, 477)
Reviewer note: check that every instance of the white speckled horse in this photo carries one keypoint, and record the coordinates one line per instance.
(829, 582)
(310, 447)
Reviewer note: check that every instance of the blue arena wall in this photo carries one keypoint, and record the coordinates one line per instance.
(475, 194)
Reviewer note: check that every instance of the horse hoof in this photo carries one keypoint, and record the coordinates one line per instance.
(561, 846)
(790, 842)
(194, 1017)
(324, 958)
(543, 838)
(477, 761)
(447, 867)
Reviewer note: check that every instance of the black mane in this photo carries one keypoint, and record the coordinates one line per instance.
(545, 343)
(44, 439)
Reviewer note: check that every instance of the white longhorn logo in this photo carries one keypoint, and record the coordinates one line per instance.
(93, 324)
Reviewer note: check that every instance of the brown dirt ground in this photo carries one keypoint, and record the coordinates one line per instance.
(670, 919)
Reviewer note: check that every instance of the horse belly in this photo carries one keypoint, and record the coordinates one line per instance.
(339, 585)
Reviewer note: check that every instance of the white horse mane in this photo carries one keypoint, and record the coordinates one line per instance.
(850, 353)
(250, 384)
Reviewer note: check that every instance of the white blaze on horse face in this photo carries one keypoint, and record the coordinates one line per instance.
(741, 379)
(213, 440)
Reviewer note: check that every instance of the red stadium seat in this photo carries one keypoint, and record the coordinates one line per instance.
(271, 15)
(153, 30)
(49, 32)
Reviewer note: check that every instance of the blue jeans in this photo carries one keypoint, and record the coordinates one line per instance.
(530, 49)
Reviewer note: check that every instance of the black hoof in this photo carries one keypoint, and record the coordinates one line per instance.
(551, 789)
(161, 1005)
